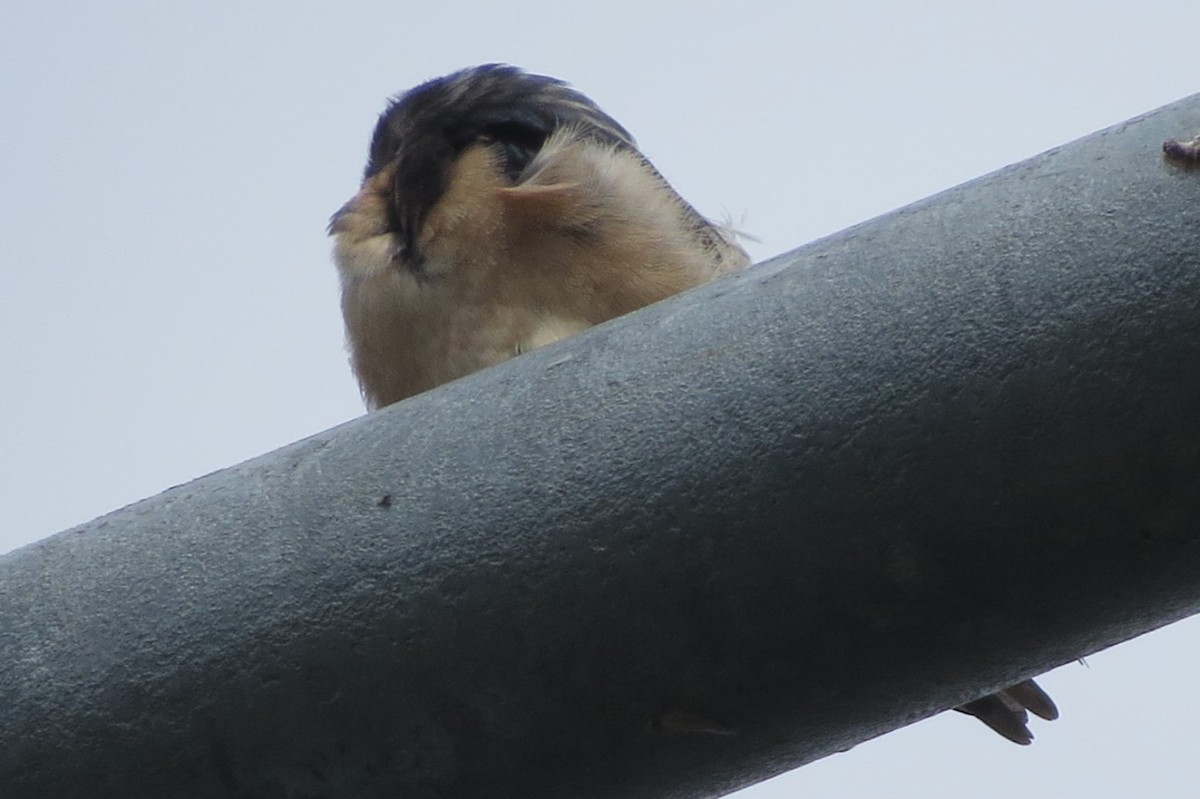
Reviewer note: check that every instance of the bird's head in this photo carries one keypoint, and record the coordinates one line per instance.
(499, 113)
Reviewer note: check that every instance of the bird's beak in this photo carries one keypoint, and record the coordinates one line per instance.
(340, 222)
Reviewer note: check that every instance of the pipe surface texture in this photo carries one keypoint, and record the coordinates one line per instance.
(745, 528)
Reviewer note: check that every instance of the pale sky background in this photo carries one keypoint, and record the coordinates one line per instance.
(169, 307)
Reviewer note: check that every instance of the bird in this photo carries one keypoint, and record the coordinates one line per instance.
(500, 211)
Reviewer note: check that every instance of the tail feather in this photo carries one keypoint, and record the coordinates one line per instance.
(1005, 711)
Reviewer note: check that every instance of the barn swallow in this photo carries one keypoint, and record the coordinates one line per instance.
(501, 211)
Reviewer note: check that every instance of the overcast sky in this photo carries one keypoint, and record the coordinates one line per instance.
(169, 308)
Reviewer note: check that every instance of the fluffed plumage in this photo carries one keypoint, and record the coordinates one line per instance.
(501, 211)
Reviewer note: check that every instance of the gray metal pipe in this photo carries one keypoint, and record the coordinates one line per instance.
(748, 527)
